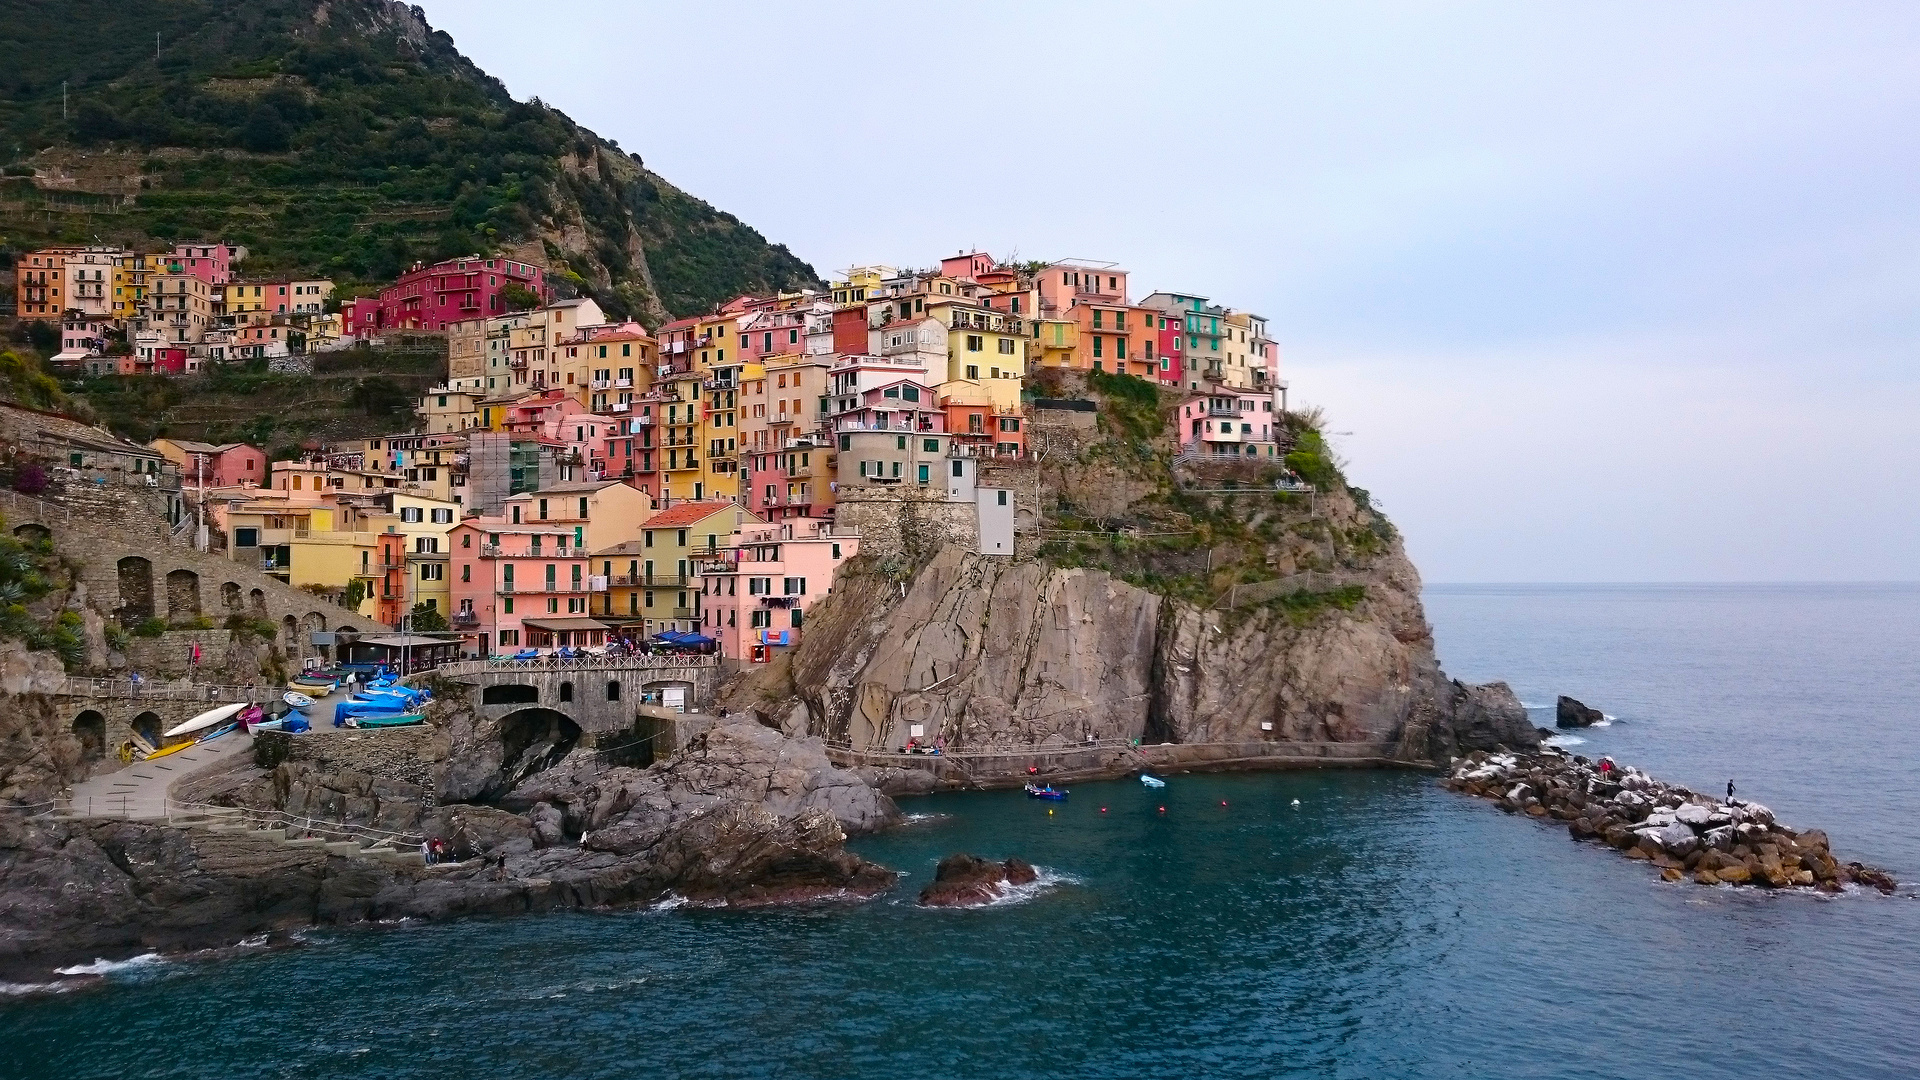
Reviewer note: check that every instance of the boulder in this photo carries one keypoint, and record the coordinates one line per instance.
(1568, 713)
(1735, 874)
(963, 880)
(1694, 814)
(1674, 839)
(1706, 877)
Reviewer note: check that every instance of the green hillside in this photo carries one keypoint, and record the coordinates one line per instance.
(343, 138)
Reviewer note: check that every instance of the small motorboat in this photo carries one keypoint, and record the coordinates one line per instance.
(296, 700)
(1047, 791)
(1152, 781)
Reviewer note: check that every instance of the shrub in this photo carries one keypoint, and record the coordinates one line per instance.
(151, 627)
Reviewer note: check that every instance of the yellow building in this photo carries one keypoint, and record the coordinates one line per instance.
(425, 523)
(651, 580)
(130, 276)
(1055, 343)
(721, 415)
(983, 346)
(321, 543)
(447, 409)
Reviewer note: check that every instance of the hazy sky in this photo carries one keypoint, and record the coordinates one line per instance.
(1593, 292)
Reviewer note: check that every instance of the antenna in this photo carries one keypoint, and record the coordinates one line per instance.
(156, 46)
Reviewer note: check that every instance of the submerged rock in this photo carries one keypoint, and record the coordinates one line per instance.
(1569, 713)
(968, 881)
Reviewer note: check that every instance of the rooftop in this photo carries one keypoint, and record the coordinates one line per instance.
(687, 513)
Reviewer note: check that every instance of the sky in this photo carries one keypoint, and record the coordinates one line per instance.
(1589, 291)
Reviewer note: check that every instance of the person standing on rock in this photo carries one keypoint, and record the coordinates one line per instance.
(1729, 792)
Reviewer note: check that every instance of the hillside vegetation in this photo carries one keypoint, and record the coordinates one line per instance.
(343, 138)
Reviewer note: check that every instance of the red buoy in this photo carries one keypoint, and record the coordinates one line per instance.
(1163, 809)
(1103, 809)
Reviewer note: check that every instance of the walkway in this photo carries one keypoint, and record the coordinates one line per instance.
(141, 790)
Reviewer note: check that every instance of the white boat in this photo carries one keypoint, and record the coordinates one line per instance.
(1152, 781)
(297, 700)
(207, 719)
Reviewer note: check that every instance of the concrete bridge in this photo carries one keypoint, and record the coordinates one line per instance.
(607, 699)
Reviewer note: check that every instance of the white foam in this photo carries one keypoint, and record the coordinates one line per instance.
(1530, 705)
(8, 989)
(112, 967)
(257, 941)
(1045, 880)
(1563, 740)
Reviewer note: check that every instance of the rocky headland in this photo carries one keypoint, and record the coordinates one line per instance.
(1682, 833)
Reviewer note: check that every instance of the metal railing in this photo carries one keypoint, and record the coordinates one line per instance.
(584, 663)
(74, 686)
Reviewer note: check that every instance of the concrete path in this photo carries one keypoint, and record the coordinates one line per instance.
(141, 790)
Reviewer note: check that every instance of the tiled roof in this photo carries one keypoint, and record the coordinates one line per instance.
(686, 513)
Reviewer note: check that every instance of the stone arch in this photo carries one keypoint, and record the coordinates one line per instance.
(183, 594)
(90, 727)
(257, 604)
(566, 691)
(136, 589)
(148, 726)
(31, 533)
(509, 694)
(533, 740)
(290, 631)
(232, 599)
(312, 624)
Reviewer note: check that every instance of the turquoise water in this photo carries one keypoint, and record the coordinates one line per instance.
(1382, 927)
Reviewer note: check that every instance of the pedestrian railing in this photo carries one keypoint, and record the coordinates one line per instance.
(586, 663)
(76, 686)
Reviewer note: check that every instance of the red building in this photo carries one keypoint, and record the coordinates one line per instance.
(1171, 353)
(850, 330)
(428, 298)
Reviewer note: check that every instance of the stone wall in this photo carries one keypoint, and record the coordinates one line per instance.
(408, 754)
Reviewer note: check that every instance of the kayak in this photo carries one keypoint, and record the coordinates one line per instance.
(217, 732)
(1152, 781)
(174, 749)
(206, 719)
(1048, 792)
(386, 720)
(271, 725)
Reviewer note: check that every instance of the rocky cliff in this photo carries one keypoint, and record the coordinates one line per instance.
(1224, 615)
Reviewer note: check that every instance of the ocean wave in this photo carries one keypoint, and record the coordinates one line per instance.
(922, 819)
(1563, 740)
(673, 900)
(1531, 705)
(113, 967)
(11, 989)
(1045, 880)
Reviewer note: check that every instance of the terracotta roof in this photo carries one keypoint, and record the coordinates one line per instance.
(687, 513)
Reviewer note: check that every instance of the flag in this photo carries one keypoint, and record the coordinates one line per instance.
(196, 652)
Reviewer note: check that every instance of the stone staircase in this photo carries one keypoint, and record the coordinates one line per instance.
(233, 820)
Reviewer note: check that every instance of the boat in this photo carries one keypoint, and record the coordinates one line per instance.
(1152, 781)
(297, 700)
(227, 729)
(1047, 792)
(274, 724)
(174, 749)
(312, 686)
(386, 719)
(206, 719)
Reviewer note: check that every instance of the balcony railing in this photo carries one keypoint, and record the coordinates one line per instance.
(622, 384)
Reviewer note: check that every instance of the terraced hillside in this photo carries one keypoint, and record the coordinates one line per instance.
(338, 137)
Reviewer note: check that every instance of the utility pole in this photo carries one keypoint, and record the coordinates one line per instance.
(63, 101)
(156, 46)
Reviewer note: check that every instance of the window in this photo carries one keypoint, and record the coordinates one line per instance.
(794, 586)
(976, 343)
(246, 537)
(613, 691)
(1006, 346)
(923, 474)
(1003, 497)
(432, 571)
(973, 371)
(509, 637)
(442, 516)
(1097, 345)
(506, 605)
(566, 691)
(1119, 348)
(796, 618)
(900, 442)
(466, 571)
(1009, 423)
(931, 446)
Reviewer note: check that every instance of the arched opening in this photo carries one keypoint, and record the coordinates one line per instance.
(533, 740)
(566, 691)
(136, 590)
(232, 599)
(509, 694)
(313, 624)
(90, 728)
(613, 690)
(257, 604)
(147, 726)
(32, 535)
(290, 634)
(183, 595)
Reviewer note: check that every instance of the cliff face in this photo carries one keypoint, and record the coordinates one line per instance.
(994, 654)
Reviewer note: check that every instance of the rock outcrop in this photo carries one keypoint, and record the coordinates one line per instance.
(1679, 831)
(968, 881)
(1019, 655)
(1569, 713)
(743, 817)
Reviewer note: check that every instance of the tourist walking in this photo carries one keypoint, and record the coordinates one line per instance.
(426, 852)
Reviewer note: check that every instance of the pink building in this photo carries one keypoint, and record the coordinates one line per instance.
(204, 465)
(1172, 342)
(519, 586)
(1224, 420)
(1065, 284)
(756, 591)
(428, 298)
(360, 317)
(211, 263)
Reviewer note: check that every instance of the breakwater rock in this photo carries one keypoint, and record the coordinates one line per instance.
(968, 881)
(1683, 833)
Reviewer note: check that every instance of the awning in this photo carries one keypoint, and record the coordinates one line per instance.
(576, 623)
(404, 641)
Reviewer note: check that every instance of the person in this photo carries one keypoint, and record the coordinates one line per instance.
(1729, 792)
(352, 680)
(426, 852)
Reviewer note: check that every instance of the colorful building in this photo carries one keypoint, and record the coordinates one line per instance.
(652, 582)
(755, 591)
(205, 465)
(430, 298)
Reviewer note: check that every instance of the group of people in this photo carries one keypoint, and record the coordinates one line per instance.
(1608, 769)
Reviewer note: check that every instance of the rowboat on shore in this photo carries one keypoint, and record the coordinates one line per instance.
(313, 686)
(206, 719)
(297, 700)
(386, 720)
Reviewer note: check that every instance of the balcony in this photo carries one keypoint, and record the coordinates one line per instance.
(523, 588)
(780, 601)
(682, 613)
(1223, 410)
(602, 384)
(620, 407)
(463, 618)
(622, 384)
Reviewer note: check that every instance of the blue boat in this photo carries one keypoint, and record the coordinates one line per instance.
(1048, 792)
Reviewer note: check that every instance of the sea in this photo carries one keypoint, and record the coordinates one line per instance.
(1310, 924)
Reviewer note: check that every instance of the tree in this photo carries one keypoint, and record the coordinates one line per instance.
(265, 130)
(518, 297)
(428, 619)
